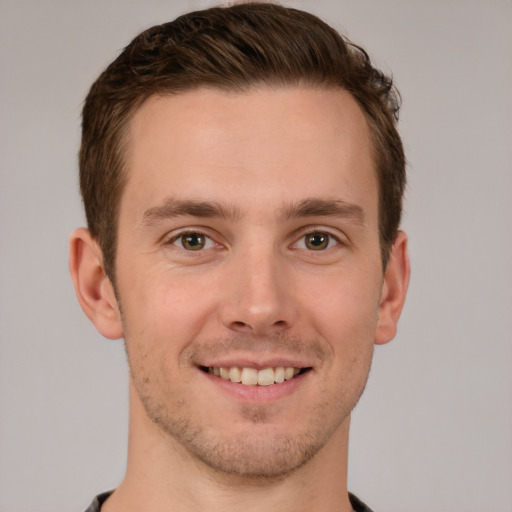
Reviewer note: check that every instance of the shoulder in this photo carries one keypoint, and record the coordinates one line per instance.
(95, 506)
(356, 503)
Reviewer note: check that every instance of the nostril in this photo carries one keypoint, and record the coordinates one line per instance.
(257, 328)
(238, 325)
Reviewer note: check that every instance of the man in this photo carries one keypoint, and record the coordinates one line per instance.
(242, 178)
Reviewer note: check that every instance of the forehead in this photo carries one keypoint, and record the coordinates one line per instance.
(265, 143)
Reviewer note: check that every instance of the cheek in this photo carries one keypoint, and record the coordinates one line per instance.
(162, 307)
(345, 306)
(344, 313)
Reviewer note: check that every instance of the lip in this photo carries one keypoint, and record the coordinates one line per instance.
(259, 363)
(256, 394)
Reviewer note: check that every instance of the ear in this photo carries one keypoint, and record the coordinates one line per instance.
(93, 288)
(394, 290)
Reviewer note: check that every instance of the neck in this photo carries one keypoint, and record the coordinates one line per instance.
(161, 476)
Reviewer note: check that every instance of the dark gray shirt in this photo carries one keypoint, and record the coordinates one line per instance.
(95, 506)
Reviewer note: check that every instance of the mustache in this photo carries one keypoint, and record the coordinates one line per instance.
(285, 345)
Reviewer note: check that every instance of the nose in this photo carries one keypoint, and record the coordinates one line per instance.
(258, 298)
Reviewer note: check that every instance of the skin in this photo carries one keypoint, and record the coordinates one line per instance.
(239, 170)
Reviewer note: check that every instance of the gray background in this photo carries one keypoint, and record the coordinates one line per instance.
(434, 430)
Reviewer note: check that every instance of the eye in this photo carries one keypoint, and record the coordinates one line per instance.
(317, 241)
(193, 241)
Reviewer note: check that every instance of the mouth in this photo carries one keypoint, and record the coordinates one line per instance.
(248, 376)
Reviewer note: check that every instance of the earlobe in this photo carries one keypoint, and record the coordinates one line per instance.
(93, 288)
(394, 290)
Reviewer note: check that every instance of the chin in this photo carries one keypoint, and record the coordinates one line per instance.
(257, 450)
(253, 456)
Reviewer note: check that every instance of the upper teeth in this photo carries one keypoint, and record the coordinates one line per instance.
(253, 377)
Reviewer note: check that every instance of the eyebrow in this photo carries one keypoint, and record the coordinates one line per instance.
(173, 207)
(314, 207)
(310, 207)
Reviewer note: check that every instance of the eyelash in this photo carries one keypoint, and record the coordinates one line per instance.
(209, 243)
(330, 239)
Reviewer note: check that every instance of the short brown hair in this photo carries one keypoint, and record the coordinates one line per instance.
(231, 48)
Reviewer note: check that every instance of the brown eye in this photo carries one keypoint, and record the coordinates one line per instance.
(192, 241)
(317, 241)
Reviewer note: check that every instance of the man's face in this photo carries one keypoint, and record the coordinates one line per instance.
(248, 241)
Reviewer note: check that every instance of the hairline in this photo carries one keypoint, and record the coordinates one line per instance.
(123, 139)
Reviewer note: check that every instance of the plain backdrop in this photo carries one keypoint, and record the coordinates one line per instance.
(433, 432)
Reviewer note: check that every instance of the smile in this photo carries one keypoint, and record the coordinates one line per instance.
(253, 377)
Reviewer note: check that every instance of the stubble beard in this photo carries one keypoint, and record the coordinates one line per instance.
(259, 455)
